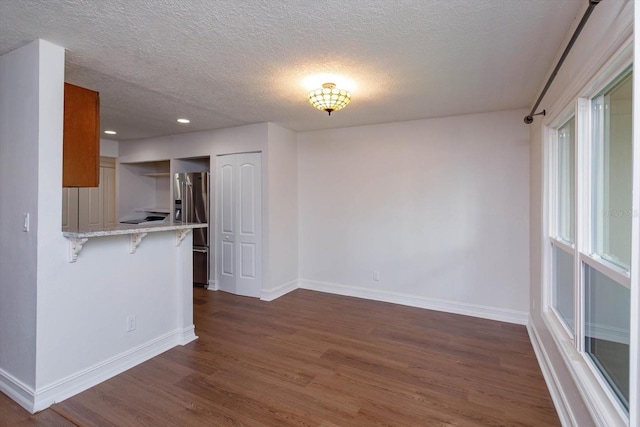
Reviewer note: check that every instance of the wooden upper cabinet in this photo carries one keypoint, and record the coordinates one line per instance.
(81, 139)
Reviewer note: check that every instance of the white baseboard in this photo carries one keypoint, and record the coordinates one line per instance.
(551, 379)
(17, 390)
(277, 292)
(492, 313)
(213, 286)
(87, 378)
(188, 335)
(600, 401)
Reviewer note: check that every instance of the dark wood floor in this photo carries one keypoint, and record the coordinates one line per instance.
(313, 359)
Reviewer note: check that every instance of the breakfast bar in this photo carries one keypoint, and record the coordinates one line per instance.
(136, 233)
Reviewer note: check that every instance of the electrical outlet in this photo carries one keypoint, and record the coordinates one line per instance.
(376, 276)
(131, 323)
(25, 224)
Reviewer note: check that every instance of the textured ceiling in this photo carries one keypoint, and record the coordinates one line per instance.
(230, 62)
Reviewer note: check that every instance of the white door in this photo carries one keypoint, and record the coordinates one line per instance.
(239, 222)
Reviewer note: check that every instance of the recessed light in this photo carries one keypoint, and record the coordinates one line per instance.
(184, 121)
(110, 132)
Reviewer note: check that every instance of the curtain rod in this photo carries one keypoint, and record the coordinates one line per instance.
(592, 4)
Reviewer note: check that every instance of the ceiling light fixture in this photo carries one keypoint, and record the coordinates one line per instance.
(329, 98)
(110, 132)
(184, 121)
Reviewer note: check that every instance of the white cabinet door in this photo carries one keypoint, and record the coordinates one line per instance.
(69, 209)
(239, 237)
(91, 208)
(108, 186)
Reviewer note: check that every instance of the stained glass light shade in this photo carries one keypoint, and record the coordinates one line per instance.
(329, 98)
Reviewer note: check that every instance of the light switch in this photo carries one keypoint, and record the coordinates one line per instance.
(25, 226)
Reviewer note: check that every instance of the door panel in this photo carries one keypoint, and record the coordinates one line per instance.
(69, 209)
(239, 236)
(108, 182)
(247, 198)
(227, 258)
(225, 248)
(90, 208)
(247, 260)
(65, 209)
(226, 202)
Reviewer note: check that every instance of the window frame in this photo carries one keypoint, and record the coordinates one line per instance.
(554, 217)
(602, 401)
(570, 333)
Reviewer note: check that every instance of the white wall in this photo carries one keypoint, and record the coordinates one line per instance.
(196, 144)
(599, 37)
(282, 216)
(63, 325)
(108, 148)
(19, 141)
(83, 307)
(438, 207)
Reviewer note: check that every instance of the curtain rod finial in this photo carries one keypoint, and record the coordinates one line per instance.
(529, 119)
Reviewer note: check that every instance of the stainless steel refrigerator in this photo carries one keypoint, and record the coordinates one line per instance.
(191, 204)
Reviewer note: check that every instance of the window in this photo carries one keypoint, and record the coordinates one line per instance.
(566, 181)
(612, 167)
(563, 288)
(607, 329)
(564, 225)
(590, 187)
(607, 296)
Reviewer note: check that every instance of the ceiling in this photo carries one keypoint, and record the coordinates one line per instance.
(226, 63)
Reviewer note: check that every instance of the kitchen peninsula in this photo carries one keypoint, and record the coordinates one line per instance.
(137, 232)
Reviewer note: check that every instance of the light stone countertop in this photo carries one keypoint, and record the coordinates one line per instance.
(121, 229)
